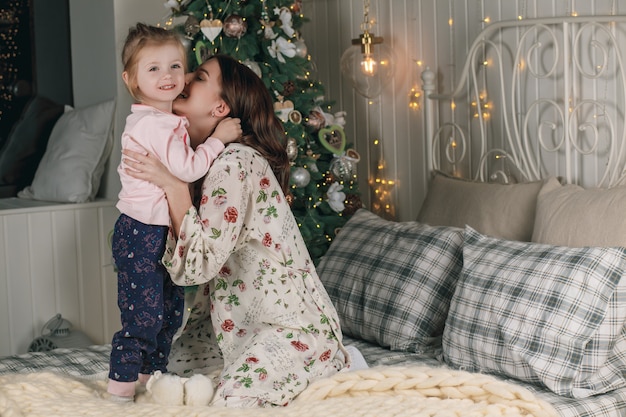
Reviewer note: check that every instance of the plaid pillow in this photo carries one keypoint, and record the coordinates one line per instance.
(549, 315)
(391, 282)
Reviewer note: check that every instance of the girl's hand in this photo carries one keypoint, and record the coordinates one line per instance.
(148, 168)
(228, 130)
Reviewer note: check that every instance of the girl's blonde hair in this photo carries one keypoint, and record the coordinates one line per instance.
(138, 37)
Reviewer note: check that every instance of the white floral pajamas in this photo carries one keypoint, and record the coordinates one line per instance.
(275, 325)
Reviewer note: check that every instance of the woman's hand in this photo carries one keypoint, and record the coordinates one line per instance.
(149, 168)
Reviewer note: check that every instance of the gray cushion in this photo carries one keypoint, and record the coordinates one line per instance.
(72, 166)
(597, 213)
(498, 210)
(26, 143)
(391, 282)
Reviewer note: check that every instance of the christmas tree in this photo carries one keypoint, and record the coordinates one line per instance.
(265, 36)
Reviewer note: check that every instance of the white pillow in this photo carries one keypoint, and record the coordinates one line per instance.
(72, 166)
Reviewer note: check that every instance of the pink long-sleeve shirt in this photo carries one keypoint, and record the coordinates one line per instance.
(164, 135)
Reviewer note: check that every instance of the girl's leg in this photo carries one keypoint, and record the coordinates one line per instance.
(140, 299)
(174, 303)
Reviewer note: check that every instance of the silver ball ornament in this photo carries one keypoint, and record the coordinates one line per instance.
(301, 49)
(254, 67)
(235, 26)
(292, 149)
(300, 177)
(342, 168)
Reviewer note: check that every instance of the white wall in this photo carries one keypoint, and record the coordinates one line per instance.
(419, 30)
(98, 30)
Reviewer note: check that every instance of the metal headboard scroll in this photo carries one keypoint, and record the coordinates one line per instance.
(557, 91)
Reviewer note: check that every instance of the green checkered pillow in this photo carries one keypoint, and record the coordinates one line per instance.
(391, 282)
(549, 315)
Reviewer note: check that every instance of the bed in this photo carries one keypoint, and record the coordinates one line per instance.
(505, 296)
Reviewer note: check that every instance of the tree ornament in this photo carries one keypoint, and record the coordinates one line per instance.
(289, 198)
(353, 155)
(202, 52)
(301, 49)
(295, 117)
(192, 26)
(211, 28)
(352, 203)
(283, 108)
(284, 15)
(254, 67)
(296, 7)
(292, 149)
(235, 26)
(333, 138)
(310, 154)
(281, 48)
(288, 88)
(267, 29)
(335, 197)
(316, 120)
(176, 5)
(342, 168)
(300, 177)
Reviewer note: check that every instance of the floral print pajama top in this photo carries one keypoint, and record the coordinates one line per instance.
(275, 325)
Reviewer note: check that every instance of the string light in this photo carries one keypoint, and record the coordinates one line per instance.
(382, 187)
(415, 94)
(482, 107)
(414, 99)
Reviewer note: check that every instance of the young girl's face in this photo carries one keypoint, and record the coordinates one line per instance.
(160, 75)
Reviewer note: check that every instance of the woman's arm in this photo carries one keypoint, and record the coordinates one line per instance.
(149, 168)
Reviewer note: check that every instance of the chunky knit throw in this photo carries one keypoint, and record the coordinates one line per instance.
(380, 391)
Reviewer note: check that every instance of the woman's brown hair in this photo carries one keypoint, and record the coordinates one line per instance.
(249, 100)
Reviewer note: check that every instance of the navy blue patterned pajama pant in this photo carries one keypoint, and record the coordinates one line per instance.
(151, 306)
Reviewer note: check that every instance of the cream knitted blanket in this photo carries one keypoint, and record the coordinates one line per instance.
(380, 392)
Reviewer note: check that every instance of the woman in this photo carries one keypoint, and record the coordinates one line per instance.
(272, 319)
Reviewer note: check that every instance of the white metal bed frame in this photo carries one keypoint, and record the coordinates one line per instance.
(556, 104)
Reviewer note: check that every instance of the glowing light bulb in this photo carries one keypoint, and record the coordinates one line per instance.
(368, 65)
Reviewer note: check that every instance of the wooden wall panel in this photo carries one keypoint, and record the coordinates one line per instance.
(56, 260)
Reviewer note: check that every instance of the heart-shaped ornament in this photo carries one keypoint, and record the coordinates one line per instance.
(202, 52)
(211, 28)
(283, 108)
(353, 155)
(333, 138)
